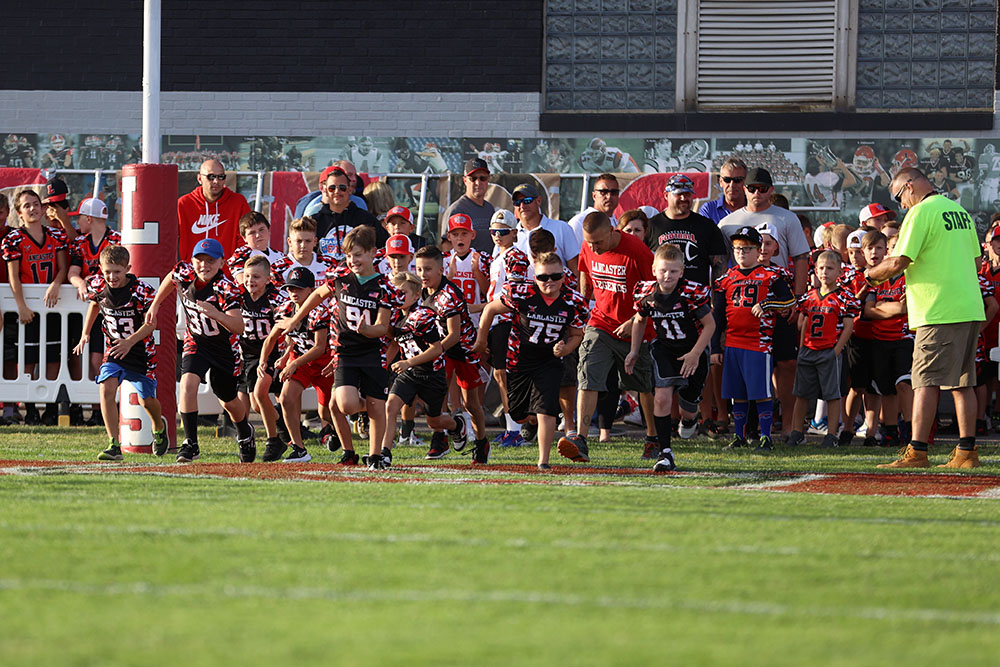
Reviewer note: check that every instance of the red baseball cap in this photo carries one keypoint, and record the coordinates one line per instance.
(399, 244)
(399, 211)
(873, 211)
(459, 221)
(329, 170)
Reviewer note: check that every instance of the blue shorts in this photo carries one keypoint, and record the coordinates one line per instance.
(144, 386)
(746, 374)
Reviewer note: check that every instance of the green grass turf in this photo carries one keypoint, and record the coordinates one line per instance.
(155, 570)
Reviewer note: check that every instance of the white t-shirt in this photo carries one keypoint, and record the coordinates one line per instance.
(788, 230)
(567, 244)
(576, 223)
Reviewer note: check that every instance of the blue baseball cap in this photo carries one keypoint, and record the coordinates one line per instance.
(209, 247)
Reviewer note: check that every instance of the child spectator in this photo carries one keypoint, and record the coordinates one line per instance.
(547, 325)
(469, 269)
(130, 354)
(509, 265)
(682, 317)
(301, 252)
(211, 304)
(825, 320)
(747, 297)
(256, 232)
(859, 351)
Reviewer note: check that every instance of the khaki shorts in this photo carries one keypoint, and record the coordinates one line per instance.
(944, 355)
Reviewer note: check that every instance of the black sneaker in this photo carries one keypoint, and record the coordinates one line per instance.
(544, 466)
(439, 446)
(736, 443)
(830, 441)
(459, 434)
(387, 456)
(273, 449)
(76, 415)
(481, 451)
(31, 416)
(529, 431)
(248, 447)
(665, 461)
(328, 438)
(575, 449)
(764, 444)
(188, 452)
(845, 438)
(160, 442)
(376, 462)
(112, 453)
(794, 439)
(96, 419)
(51, 415)
(349, 458)
(298, 455)
(870, 441)
(651, 449)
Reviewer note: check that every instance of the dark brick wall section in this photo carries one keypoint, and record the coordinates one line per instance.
(263, 45)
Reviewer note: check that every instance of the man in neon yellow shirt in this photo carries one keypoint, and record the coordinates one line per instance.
(937, 252)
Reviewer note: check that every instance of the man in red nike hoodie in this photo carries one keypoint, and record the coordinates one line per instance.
(211, 211)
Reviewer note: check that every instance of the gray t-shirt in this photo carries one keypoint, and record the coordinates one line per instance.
(480, 221)
(787, 228)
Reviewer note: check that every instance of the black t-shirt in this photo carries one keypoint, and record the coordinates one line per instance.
(697, 236)
(258, 318)
(342, 223)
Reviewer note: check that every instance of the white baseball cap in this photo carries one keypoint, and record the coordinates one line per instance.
(504, 217)
(95, 208)
(854, 238)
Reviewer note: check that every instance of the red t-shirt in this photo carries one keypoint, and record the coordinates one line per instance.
(613, 276)
(893, 328)
(993, 276)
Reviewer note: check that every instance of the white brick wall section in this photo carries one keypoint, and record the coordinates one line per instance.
(317, 114)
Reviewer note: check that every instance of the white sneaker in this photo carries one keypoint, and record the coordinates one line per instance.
(634, 418)
(862, 430)
(687, 432)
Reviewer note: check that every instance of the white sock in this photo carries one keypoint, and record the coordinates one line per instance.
(820, 411)
(512, 425)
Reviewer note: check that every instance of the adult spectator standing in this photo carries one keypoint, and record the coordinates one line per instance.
(611, 263)
(311, 203)
(732, 173)
(340, 215)
(605, 196)
(937, 252)
(473, 203)
(787, 230)
(210, 211)
(704, 247)
(528, 208)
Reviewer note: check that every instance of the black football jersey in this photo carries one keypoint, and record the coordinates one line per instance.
(258, 318)
(205, 335)
(675, 316)
(358, 303)
(537, 325)
(124, 310)
(416, 331)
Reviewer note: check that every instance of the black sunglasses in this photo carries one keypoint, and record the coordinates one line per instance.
(343, 187)
(607, 191)
(756, 189)
(732, 179)
(524, 201)
(481, 179)
(215, 177)
(898, 197)
(546, 277)
(500, 232)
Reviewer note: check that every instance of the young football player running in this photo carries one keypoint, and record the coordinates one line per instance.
(211, 305)
(548, 322)
(130, 354)
(682, 316)
(420, 369)
(461, 359)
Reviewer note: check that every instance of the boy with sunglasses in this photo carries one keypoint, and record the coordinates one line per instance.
(547, 324)
(509, 265)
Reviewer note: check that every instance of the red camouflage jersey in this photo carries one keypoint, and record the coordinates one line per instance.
(236, 263)
(415, 332)
(507, 267)
(983, 346)
(320, 267)
(37, 261)
(84, 254)
(862, 325)
(205, 335)
(676, 316)
(893, 328)
(538, 325)
(825, 315)
(124, 311)
(448, 301)
(992, 275)
(358, 303)
(258, 317)
(302, 338)
(742, 289)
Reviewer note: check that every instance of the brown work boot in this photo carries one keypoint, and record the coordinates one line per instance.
(962, 458)
(909, 458)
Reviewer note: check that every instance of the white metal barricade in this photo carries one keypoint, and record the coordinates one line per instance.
(84, 391)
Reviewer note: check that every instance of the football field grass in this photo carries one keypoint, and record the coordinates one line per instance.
(455, 565)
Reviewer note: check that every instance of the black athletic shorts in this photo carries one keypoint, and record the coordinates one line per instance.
(535, 391)
(371, 381)
(220, 372)
(431, 388)
(498, 342)
(32, 334)
(571, 364)
(667, 373)
(248, 378)
(785, 341)
(892, 361)
(859, 363)
(96, 336)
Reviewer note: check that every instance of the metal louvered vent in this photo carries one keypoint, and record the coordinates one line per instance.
(767, 53)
